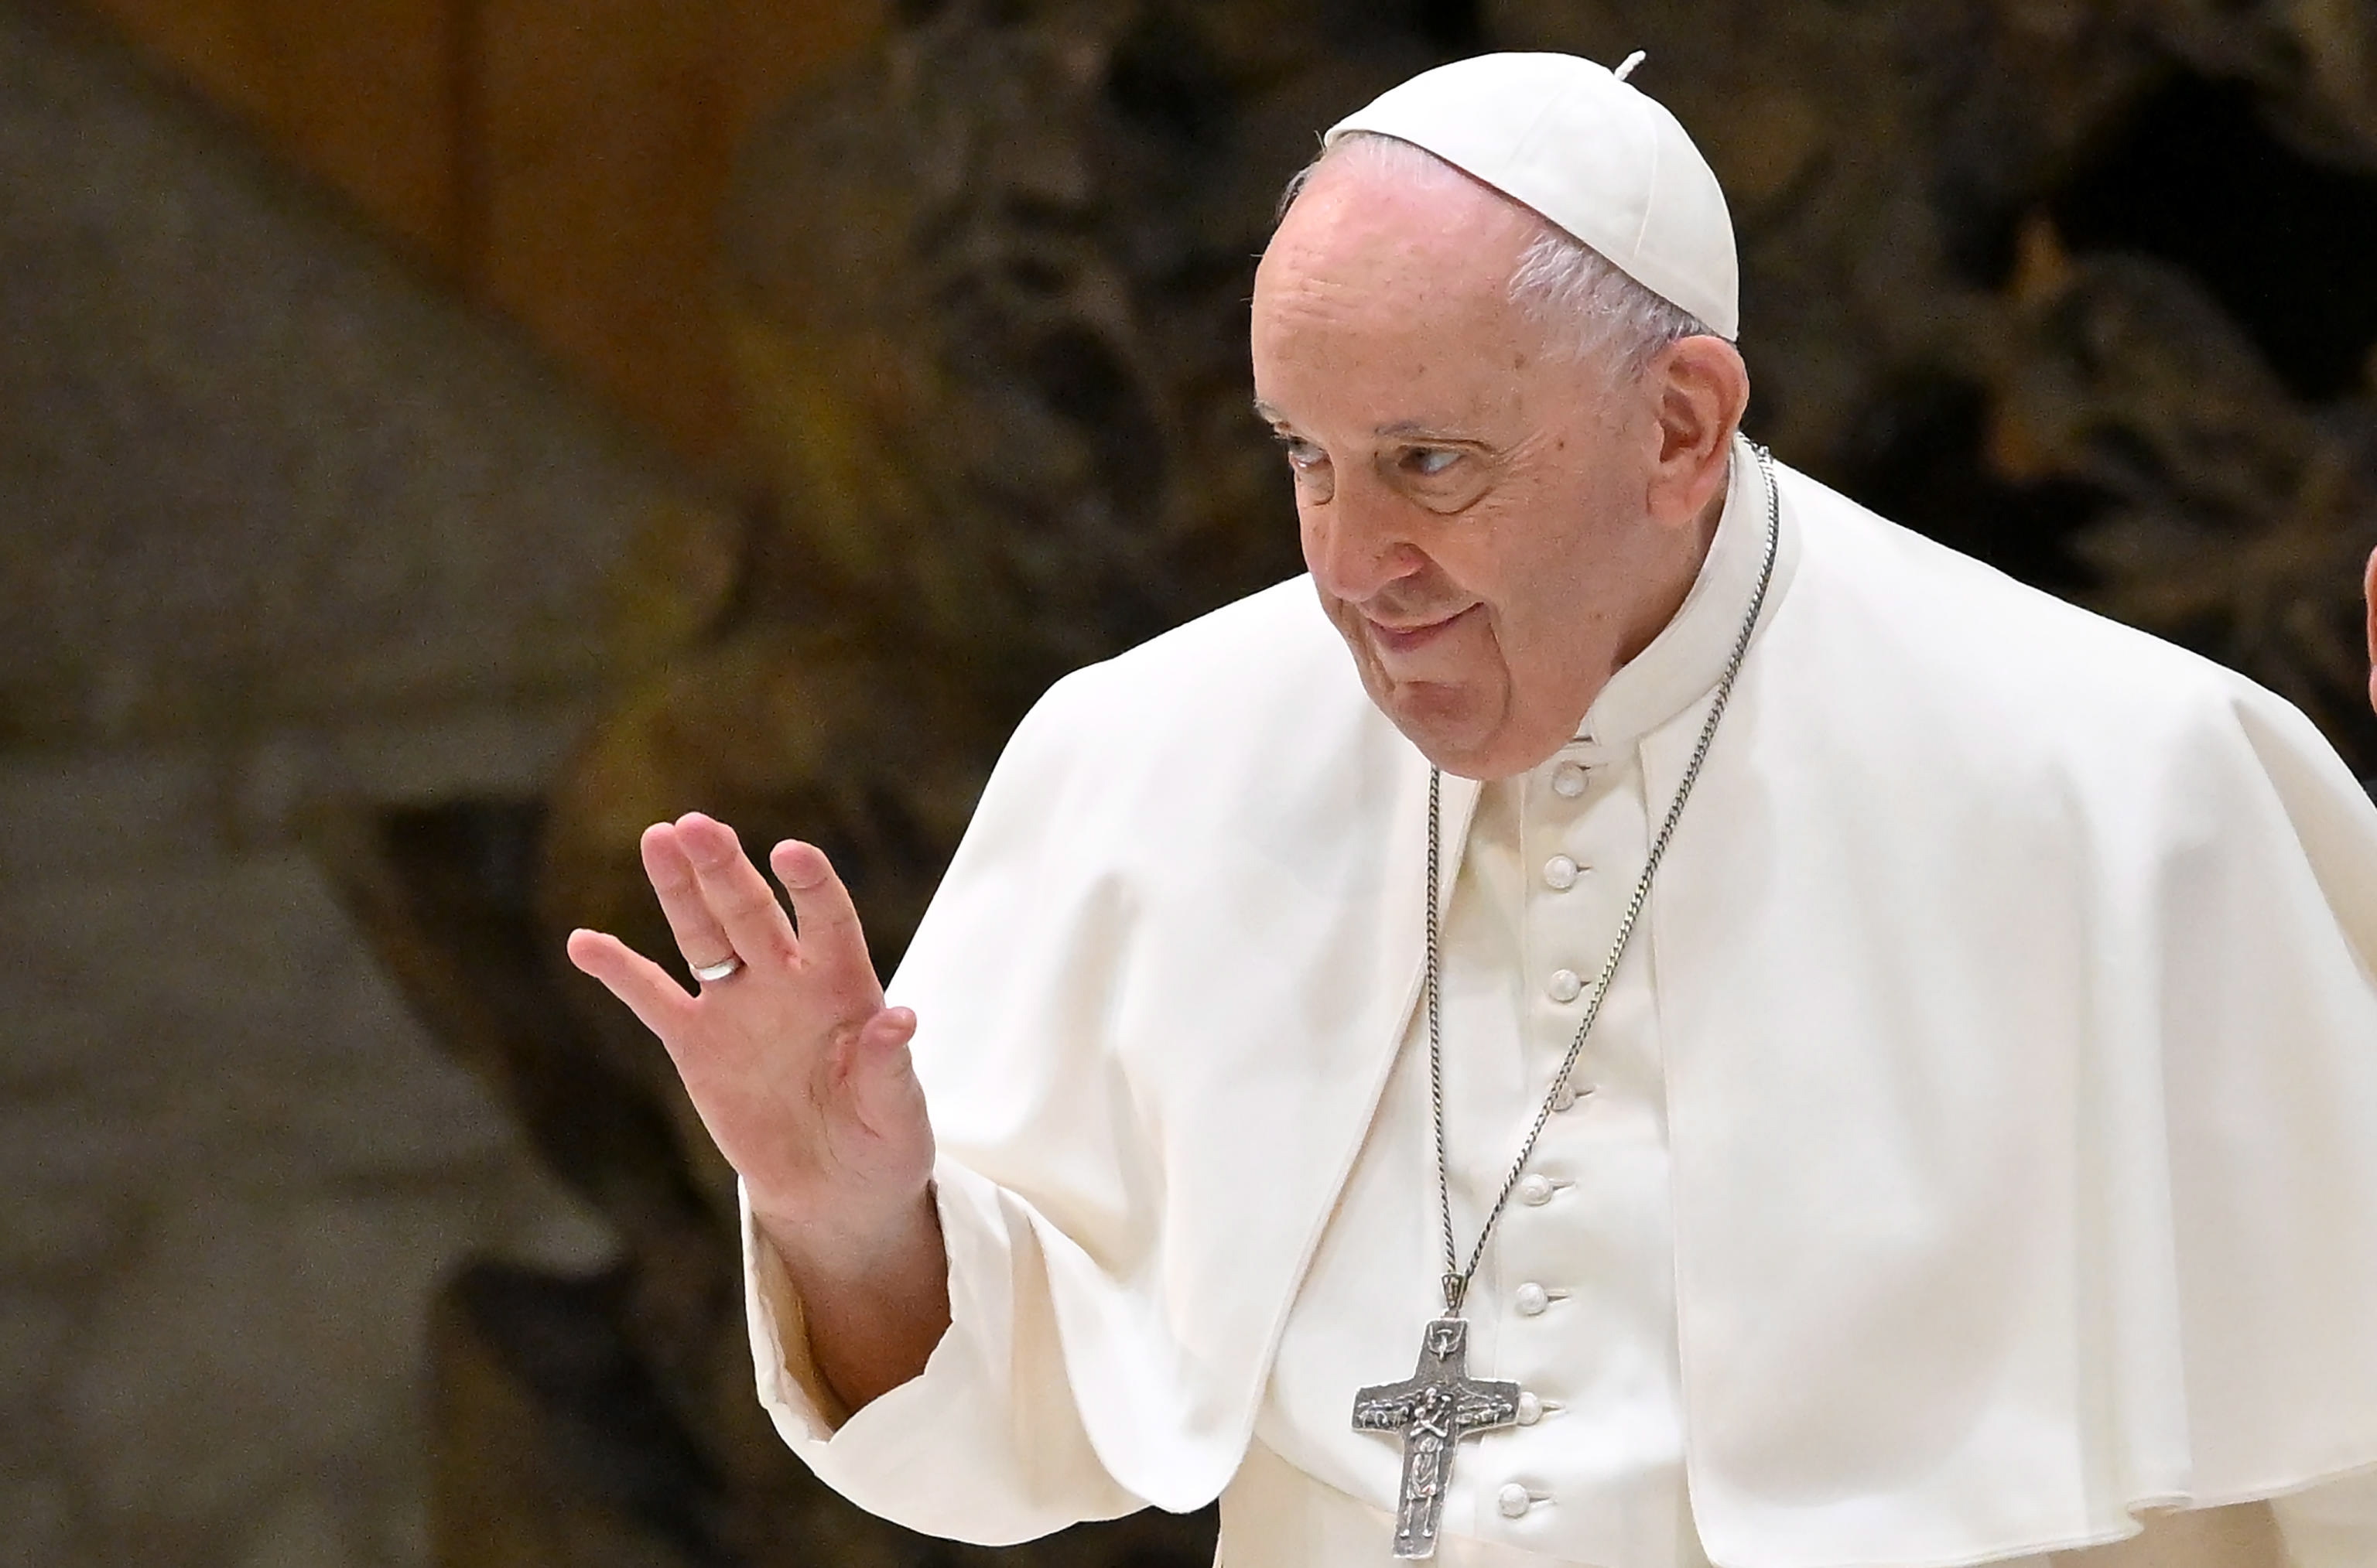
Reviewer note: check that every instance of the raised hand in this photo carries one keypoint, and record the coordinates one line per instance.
(2369, 591)
(801, 1075)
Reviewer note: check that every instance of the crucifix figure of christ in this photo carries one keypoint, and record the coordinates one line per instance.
(1432, 1410)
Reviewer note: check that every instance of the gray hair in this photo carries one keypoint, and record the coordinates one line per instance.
(1589, 309)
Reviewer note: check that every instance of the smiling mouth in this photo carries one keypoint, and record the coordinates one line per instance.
(1410, 639)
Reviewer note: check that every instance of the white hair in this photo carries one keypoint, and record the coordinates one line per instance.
(1588, 308)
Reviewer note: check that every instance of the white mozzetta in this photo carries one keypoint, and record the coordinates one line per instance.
(2003, 1024)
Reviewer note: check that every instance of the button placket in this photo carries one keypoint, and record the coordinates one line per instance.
(1561, 817)
(1566, 925)
(1535, 1189)
(1531, 1299)
(1569, 1094)
(1577, 856)
(1515, 1500)
(1563, 927)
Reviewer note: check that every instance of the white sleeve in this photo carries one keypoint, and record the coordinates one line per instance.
(2333, 1525)
(986, 1445)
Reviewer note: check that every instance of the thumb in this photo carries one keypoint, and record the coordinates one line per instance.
(881, 1073)
(889, 1032)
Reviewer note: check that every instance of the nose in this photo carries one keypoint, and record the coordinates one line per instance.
(1354, 545)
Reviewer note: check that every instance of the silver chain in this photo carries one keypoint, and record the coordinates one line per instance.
(1456, 1276)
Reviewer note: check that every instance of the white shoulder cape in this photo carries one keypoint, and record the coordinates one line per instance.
(2016, 975)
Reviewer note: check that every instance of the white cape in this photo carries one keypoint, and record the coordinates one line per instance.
(2015, 972)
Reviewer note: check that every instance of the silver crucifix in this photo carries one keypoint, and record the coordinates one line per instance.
(1432, 1410)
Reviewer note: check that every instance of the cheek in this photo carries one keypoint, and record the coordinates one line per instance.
(1312, 535)
(1538, 585)
(1491, 553)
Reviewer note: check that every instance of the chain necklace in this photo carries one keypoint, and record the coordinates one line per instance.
(1439, 1403)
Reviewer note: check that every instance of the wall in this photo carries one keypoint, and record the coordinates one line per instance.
(277, 522)
(559, 160)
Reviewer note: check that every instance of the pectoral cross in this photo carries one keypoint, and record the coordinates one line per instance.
(1432, 1410)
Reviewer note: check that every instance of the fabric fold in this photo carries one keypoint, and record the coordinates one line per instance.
(2015, 979)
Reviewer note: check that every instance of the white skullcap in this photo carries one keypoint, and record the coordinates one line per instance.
(1588, 151)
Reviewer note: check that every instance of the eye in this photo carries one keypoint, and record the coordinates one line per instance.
(1309, 464)
(1430, 462)
(1302, 455)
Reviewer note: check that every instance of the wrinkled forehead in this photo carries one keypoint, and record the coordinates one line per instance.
(1363, 241)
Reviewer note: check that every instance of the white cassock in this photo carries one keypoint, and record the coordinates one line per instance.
(1978, 1146)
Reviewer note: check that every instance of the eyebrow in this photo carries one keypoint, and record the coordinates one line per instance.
(1399, 430)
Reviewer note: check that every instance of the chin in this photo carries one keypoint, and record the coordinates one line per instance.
(1484, 762)
(1461, 720)
(1473, 740)
(1453, 728)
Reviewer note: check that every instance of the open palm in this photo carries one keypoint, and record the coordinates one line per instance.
(798, 1070)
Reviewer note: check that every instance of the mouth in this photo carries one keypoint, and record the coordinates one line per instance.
(1411, 639)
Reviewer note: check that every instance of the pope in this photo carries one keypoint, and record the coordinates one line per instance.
(1723, 1033)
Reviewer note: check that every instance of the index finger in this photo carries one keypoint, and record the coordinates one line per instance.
(825, 918)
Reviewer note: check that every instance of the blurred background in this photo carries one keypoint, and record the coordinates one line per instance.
(438, 437)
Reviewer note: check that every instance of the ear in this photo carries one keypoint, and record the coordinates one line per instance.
(1699, 389)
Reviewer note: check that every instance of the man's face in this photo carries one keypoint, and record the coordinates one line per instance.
(1472, 509)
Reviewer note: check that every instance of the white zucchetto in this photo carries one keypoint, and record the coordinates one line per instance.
(1591, 153)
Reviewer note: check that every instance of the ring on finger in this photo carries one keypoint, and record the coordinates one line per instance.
(707, 973)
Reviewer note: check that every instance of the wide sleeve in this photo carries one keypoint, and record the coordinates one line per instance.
(1173, 889)
(2268, 967)
(986, 1444)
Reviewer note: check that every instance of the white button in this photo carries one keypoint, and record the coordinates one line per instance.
(1535, 1190)
(1568, 780)
(1565, 986)
(1531, 1409)
(1566, 1096)
(1513, 1501)
(1531, 1299)
(1559, 874)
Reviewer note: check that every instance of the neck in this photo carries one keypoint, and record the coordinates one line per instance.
(1687, 552)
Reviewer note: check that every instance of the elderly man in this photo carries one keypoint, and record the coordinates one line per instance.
(1726, 1033)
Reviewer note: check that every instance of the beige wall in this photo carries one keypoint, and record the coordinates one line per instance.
(559, 160)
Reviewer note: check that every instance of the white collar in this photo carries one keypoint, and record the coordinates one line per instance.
(1683, 662)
